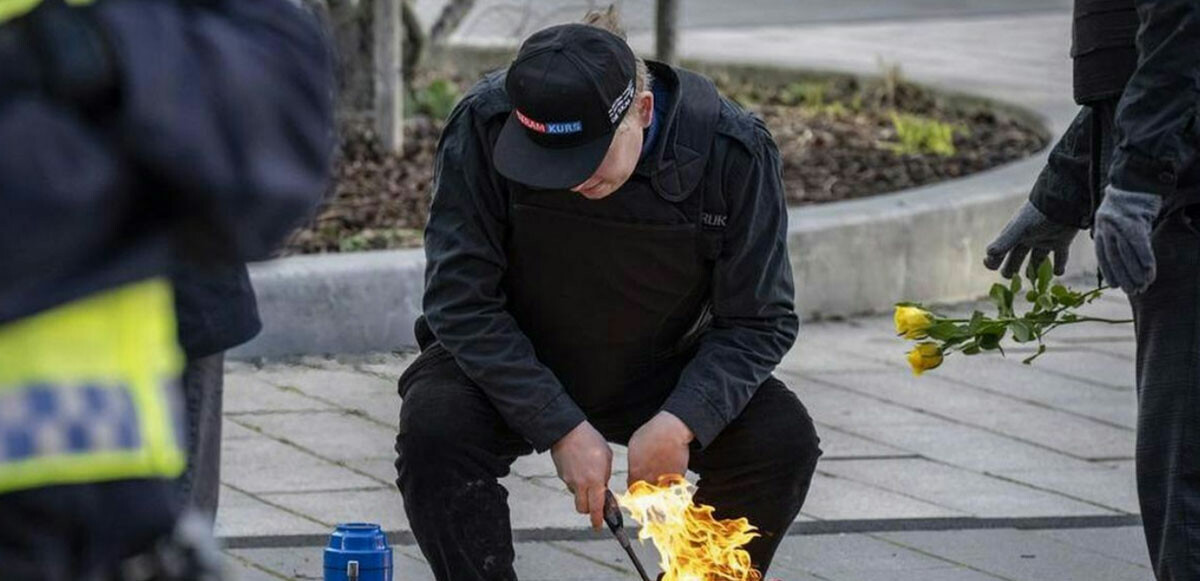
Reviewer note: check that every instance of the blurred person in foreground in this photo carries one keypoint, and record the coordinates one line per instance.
(607, 262)
(134, 134)
(1127, 169)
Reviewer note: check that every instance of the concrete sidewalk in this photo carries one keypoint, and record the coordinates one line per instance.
(983, 469)
(1106, 554)
(981, 447)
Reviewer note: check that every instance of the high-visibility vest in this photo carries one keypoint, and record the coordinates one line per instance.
(10, 9)
(89, 390)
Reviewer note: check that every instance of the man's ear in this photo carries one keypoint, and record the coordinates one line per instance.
(645, 105)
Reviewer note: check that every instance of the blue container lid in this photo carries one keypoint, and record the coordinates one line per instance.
(362, 542)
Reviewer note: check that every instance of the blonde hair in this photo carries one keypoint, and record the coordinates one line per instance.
(609, 19)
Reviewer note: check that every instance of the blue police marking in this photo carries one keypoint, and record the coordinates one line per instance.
(564, 128)
(44, 420)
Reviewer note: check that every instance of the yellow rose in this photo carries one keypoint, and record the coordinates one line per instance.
(925, 356)
(912, 322)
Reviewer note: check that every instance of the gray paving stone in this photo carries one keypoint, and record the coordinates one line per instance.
(250, 394)
(233, 431)
(608, 552)
(334, 435)
(383, 469)
(1125, 543)
(969, 447)
(242, 515)
(839, 444)
(846, 556)
(1098, 368)
(262, 464)
(832, 498)
(535, 465)
(380, 505)
(942, 574)
(537, 507)
(1112, 487)
(959, 489)
(550, 562)
(240, 569)
(809, 355)
(342, 386)
(1021, 555)
(1038, 383)
(1067, 433)
(306, 563)
(388, 367)
(846, 410)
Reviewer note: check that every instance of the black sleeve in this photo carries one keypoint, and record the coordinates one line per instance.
(1156, 119)
(754, 319)
(228, 108)
(464, 301)
(1063, 189)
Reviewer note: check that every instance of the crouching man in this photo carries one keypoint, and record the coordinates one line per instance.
(607, 262)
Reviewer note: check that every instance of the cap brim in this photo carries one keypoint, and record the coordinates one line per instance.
(519, 159)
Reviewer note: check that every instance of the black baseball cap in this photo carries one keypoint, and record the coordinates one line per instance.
(570, 87)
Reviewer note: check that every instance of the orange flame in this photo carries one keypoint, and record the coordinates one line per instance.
(693, 546)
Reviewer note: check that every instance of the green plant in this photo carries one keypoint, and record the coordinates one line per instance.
(919, 135)
(436, 100)
(373, 239)
(1052, 305)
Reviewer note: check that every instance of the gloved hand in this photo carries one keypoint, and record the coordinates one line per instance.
(1028, 231)
(1124, 223)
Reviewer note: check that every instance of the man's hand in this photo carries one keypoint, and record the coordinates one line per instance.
(658, 448)
(1124, 223)
(584, 462)
(1030, 231)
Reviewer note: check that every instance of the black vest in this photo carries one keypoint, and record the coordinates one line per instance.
(1103, 48)
(614, 292)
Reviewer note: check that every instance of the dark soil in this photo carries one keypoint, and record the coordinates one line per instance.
(838, 137)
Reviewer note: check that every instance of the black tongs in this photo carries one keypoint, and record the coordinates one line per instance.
(612, 516)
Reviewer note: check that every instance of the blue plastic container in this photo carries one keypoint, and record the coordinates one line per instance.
(358, 552)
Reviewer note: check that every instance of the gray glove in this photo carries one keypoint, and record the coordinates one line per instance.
(1028, 231)
(1124, 223)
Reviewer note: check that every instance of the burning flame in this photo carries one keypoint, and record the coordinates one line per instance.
(693, 546)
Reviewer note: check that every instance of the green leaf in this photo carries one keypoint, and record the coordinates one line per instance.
(989, 342)
(1015, 285)
(945, 330)
(1045, 274)
(1022, 331)
(971, 349)
(1045, 302)
(997, 293)
(1059, 291)
(1028, 360)
(1031, 296)
(976, 322)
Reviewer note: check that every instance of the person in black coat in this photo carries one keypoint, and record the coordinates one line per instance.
(137, 135)
(1127, 168)
(607, 262)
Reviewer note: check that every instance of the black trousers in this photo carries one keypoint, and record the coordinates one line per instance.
(1168, 377)
(203, 391)
(82, 532)
(453, 446)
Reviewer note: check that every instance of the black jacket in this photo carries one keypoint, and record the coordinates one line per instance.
(1149, 144)
(753, 325)
(1157, 135)
(214, 306)
(217, 144)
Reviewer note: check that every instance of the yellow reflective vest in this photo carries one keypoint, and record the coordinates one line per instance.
(10, 9)
(89, 390)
